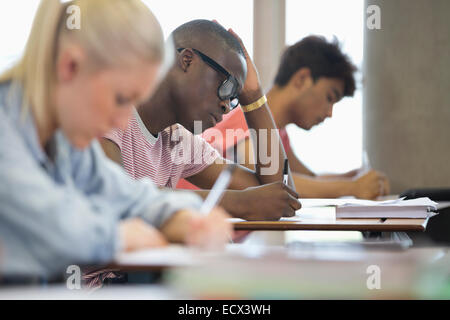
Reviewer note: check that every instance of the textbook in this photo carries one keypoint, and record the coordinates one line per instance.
(419, 208)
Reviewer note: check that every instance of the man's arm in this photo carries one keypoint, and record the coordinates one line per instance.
(256, 202)
(313, 187)
(309, 185)
(368, 186)
(245, 157)
(349, 174)
(173, 212)
(269, 161)
(111, 150)
(270, 202)
(242, 177)
(306, 184)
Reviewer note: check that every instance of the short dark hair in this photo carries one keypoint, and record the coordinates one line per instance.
(196, 28)
(324, 59)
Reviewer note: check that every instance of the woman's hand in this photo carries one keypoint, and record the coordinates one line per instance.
(212, 231)
(136, 234)
(209, 232)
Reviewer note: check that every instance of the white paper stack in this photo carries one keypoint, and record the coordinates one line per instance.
(419, 208)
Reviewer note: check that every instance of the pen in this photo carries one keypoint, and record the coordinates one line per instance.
(285, 171)
(218, 189)
(365, 162)
(365, 168)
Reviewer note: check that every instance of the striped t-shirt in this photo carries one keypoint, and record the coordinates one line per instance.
(236, 123)
(174, 154)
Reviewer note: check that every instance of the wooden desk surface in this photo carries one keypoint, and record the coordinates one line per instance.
(378, 225)
(324, 218)
(290, 272)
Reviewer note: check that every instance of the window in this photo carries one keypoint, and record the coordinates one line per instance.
(336, 144)
(235, 14)
(17, 16)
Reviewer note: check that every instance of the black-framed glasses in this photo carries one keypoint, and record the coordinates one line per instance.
(227, 90)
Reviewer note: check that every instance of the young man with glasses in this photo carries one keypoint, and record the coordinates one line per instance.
(211, 75)
(312, 76)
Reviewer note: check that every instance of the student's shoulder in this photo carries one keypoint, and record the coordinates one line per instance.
(6, 130)
(4, 89)
(81, 159)
(175, 132)
(10, 100)
(10, 119)
(130, 133)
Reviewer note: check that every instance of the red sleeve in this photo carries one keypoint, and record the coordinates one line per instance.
(184, 184)
(285, 140)
(229, 132)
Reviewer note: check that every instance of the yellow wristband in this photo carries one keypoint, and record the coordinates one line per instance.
(255, 105)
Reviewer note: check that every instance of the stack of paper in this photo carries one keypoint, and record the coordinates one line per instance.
(419, 208)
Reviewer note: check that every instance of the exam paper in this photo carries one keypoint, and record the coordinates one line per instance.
(399, 208)
(419, 202)
(310, 203)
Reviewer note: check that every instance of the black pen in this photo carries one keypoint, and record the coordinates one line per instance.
(285, 171)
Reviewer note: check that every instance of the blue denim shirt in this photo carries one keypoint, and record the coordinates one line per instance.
(54, 213)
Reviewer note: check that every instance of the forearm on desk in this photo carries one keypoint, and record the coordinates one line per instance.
(175, 229)
(312, 187)
(231, 202)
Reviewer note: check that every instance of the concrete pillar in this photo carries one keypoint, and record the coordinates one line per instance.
(269, 35)
(407, 93)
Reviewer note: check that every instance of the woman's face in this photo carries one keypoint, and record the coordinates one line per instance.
(89, 104)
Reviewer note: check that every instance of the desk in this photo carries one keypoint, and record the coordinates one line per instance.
(319, 273)
(60, 292)
(376, 225)
(324, 218)
(159, 259)
(265, 266)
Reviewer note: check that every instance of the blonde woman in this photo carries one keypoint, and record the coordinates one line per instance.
(61, 199)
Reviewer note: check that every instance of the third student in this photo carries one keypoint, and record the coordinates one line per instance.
(312, 77)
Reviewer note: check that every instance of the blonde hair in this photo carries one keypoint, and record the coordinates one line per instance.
(111, 31)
